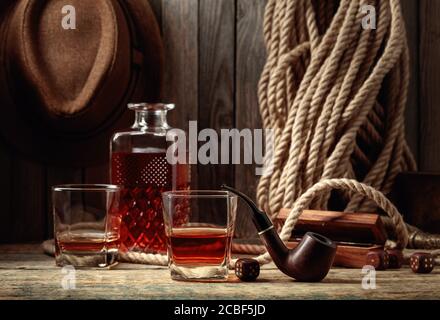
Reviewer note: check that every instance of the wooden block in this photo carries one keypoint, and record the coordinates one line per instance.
(356, 234)
(360, 228)
(348, 256)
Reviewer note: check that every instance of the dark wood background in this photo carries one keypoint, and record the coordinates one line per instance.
(214, 57)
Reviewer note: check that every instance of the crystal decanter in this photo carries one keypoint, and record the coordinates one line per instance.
(139, 165)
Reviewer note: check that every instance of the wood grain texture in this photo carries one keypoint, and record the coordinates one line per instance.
(28, 194)
(360, 228)
(57, 176)
(250, 59)
(6, 215)
(348, 256)
(429, 82)
(26, 273)
(417, 196)
(410, 10)
(216, 82)
(180, 34)
(180, 31)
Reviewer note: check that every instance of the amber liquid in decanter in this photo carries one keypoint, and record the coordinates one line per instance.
(139, 165)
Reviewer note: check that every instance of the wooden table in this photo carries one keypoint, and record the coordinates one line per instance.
(26, 273)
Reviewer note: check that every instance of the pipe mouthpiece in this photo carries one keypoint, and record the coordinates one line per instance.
(261, 221)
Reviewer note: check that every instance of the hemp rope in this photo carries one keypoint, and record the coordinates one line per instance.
(320, 119)
(334, 95)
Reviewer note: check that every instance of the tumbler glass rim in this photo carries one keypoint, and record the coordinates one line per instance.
(86, 187)
(198, 194)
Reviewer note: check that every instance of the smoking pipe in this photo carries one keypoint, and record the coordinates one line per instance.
(310, 261)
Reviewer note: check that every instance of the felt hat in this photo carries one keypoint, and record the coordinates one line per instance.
(68, 68)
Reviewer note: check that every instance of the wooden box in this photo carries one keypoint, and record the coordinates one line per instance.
(355, 233)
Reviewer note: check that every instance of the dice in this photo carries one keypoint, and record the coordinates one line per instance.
(247, 269)
(421, 262)
(379, 259)
(395, 258)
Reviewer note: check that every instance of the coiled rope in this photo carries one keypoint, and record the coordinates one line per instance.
(334, 94)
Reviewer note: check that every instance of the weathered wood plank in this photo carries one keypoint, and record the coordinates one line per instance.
(410, 10)
(28, 194)
(429, 80)
(180, 34)
(56, 176)
(32, 275)
(216, 82)
(250, 59)
(6, 215)
(180, 31)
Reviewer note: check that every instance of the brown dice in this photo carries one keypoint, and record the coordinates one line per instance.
(247, 269)
(395, 258)
(421, 262)
(379, 259)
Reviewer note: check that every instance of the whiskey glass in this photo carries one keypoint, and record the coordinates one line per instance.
(199, 226)
(86, 224)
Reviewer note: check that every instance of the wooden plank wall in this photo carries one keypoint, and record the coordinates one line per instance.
(214, 57)
(250, 59)
(429, 80)
(411, 12)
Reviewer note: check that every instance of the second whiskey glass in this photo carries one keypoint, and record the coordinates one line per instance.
(199, 227)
